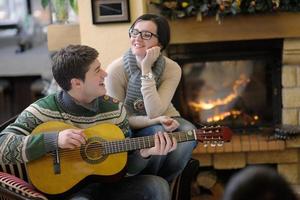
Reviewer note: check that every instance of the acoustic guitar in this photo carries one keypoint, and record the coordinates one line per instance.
(104, 154)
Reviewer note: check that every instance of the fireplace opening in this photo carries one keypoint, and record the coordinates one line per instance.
(236, 84)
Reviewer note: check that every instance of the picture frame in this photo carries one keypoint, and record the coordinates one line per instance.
(110, 11)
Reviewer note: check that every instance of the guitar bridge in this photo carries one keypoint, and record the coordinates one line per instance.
(56, 162)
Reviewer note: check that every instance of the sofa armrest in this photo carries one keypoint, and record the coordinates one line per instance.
(12, 187)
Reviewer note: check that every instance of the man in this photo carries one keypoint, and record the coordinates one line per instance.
(83, 103)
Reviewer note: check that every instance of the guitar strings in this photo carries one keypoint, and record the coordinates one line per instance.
(117, 146)
(92, 148)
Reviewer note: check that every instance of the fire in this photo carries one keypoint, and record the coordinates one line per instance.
(222, 116)
(234, 113)
(210, 104)
(214, 104)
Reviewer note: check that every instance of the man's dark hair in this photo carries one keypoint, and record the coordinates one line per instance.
(259, 183)
(70, 62)
(163, 28)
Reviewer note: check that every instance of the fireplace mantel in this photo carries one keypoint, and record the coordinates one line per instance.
(232, 28)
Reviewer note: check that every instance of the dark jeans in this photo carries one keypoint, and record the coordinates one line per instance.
(140, 187)
(171, 165)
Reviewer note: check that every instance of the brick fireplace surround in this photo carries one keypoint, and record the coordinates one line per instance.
(254, 149)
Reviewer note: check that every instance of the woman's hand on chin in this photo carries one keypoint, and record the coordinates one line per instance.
(151, 56)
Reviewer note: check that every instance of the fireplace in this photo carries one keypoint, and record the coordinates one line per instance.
(233, 83)
(245, 38)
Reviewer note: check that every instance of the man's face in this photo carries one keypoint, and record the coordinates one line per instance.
(93, 85)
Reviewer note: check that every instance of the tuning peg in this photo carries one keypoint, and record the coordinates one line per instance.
(205, 143)
(213, 144)
(220, 143)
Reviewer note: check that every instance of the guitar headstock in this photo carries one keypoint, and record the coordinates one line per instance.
(214, 135)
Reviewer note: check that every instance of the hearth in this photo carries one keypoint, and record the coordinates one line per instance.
(237, 84)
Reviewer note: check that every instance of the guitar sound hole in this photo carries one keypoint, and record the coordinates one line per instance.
(91, 152)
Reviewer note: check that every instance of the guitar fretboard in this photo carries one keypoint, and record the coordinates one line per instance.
(129, 144)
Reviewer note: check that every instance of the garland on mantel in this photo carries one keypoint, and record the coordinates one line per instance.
(200, 8)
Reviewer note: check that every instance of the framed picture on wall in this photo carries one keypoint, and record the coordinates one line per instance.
(110, 11)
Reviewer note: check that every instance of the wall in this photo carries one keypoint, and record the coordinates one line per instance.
(111, 40)
(291, 82)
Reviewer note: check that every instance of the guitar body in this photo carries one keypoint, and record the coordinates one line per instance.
(75, 165)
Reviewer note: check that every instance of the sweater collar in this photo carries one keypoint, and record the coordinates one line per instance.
(69, 104)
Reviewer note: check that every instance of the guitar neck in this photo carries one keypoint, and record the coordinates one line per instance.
(130, 144)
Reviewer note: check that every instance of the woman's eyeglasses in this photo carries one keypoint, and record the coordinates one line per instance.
(145, 35)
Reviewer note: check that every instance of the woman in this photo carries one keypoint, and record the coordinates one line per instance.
(146, 81)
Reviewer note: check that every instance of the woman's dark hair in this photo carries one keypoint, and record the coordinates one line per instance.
(163, 28)
(71, 62)
(259, 183)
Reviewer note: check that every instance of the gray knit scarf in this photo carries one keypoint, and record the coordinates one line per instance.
(134, 101)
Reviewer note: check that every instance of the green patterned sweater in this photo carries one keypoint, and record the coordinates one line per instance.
(18, 146)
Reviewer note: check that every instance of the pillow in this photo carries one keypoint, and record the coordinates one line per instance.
(19, 186)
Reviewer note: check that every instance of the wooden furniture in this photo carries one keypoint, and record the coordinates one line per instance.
(5, 103)
(249, 149)
(38, 87)
(18, 97)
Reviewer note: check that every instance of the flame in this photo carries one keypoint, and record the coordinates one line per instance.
(234, 113)
(222, 116)
(210, 104)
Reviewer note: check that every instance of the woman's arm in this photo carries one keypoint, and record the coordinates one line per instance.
(169, 124)
(158, 100)
(116, 80)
